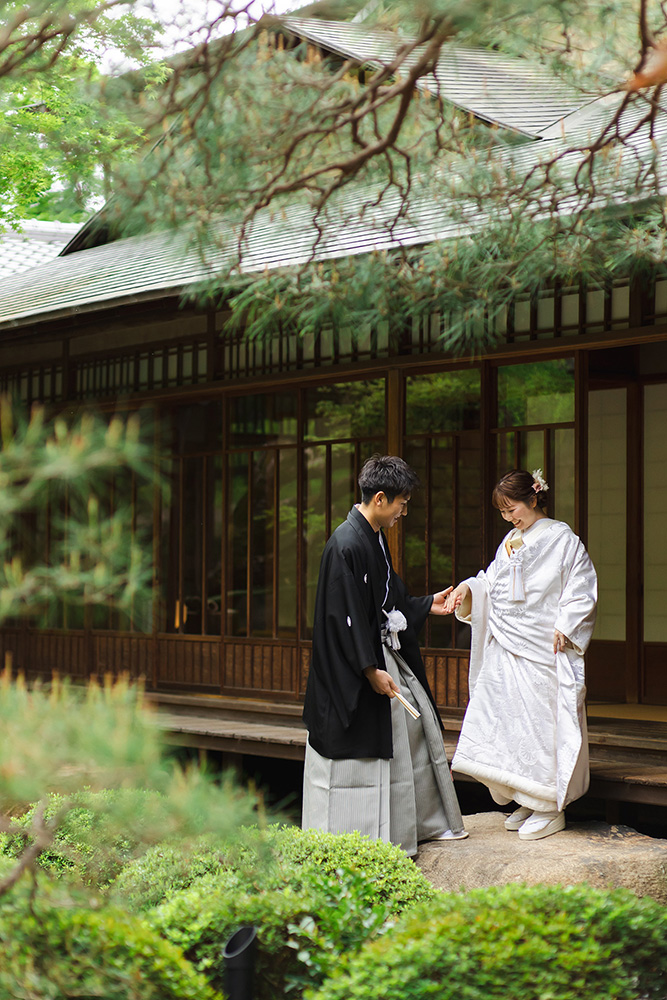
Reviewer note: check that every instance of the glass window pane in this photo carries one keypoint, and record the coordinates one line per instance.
(169, 570)
(441, 534)
(287, 543)
(414, 525)
(561, 496)
(213, 551)
(607, 472)
(261, 543)
(142, 607)
(237, 545)
(343, 482)
(263, 418)
(469, 513)
(197, 428)
(345, 410)
(314, 525)
(445, 401)
(655, 524)
(532, 452)
(538, 393)
(193, 545)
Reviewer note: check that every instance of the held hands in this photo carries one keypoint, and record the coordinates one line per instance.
(381, 681)
(456, 598)
(438, 606)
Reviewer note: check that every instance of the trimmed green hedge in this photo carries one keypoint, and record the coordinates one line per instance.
(301, 932)
(277, 857)
(53, 950)
(514, 943)
(312, 896)
(397, 881)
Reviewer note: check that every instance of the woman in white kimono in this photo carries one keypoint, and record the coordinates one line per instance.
(532, 614)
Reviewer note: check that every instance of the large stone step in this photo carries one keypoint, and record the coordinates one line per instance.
(590, 852)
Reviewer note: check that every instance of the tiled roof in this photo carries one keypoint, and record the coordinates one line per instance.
(512, 93)
(34, 243)
(359, 221)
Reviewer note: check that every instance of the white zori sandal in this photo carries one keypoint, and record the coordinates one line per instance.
(518, 818)
(542, 824)
(450, 835)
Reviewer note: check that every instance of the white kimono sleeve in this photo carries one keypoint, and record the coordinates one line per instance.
(478, 619)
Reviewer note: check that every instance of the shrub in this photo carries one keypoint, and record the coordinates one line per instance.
(275, 857)
(56, 952)
(167, 868)
(301, 933)
(91, 842)
(516, 942)
(396, 879)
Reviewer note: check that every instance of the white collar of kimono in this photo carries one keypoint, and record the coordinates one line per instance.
(530, 534)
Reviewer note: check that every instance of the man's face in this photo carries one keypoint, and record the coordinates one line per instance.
(388, 511)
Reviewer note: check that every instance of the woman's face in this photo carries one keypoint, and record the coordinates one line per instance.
(520, 514)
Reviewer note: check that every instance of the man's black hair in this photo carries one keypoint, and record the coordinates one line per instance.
(388, 474)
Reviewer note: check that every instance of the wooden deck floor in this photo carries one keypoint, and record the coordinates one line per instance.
(628, 756)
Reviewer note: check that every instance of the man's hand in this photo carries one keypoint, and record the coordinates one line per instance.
(438, 606)
(381, 681)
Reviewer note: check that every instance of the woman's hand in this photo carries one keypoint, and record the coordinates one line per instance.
(456, 598)
(560, 641)
(438, 606)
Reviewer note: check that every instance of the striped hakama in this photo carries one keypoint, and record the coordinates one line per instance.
(404, 800)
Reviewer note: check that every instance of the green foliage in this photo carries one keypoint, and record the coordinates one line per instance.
(313, 896)
(56, 950)
(70, 739)
(397, 882)
(62, 473)
(60, 128)
(518, 942)
(95, 838)
(271, 859)
(166, 868)
(301, 932)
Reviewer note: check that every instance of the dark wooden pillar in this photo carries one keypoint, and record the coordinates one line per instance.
(581, 445)
(395, 410)
(634, 545)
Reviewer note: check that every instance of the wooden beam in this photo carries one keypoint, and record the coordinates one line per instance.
(395, 432)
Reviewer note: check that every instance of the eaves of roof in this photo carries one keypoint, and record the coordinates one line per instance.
(159, 264)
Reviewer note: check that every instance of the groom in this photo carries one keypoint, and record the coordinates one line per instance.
(370, 766)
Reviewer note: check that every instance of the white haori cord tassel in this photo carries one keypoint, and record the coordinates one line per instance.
(517, 592)
(396, 622)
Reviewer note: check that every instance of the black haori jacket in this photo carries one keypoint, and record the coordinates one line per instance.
(344, 716)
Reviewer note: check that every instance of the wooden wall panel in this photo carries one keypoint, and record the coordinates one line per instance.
(264, 669)
(260, 669)
(185, 661)
(118, 654)
(39, 654)
(447, 673)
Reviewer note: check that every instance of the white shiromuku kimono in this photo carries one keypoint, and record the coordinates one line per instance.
(524, 732)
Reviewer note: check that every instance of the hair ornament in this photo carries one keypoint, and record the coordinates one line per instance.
(540, 484)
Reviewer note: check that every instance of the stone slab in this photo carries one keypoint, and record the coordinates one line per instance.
(601, 855)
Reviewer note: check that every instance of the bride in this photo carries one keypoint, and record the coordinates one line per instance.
(532, 614)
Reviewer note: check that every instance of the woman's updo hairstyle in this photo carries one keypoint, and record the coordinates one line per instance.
(520, 485)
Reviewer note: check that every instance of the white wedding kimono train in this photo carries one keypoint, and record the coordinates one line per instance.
(524, 732)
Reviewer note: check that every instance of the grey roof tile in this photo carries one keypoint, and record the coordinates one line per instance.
(34, 243)
(513, 93)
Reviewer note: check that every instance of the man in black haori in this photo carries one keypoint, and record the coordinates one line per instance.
(373, 763)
